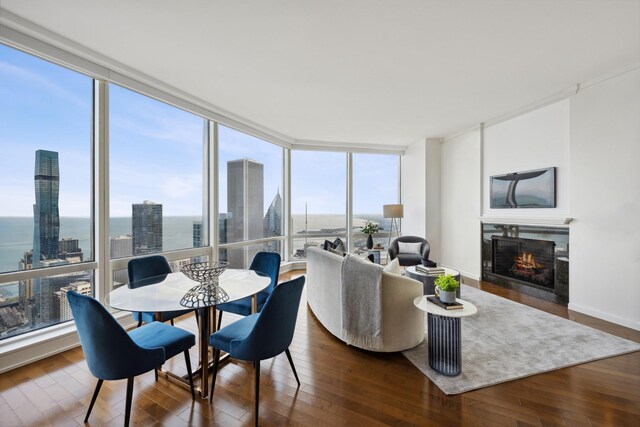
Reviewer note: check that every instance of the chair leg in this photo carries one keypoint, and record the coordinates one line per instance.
(139, 323)
(187, 360)
(293, 368)
(215, 373)
(172, 322)
(220, 320)
(127, 414)
(93, 399)
(257, 362)
(197, 318)
(155, 371)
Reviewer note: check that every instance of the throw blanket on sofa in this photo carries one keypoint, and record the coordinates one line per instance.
(361, 302)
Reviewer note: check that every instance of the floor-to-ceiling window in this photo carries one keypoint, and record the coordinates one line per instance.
(46, 198)
(375, 183)
(318, 199)
(157, 174)
(158, 189)
(250, 205)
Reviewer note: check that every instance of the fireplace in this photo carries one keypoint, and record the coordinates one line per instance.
(533, 260)
(528, 260)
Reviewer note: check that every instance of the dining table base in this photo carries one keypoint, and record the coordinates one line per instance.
(207, 325)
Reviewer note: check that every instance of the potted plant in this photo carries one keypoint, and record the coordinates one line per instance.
(446, 287)
(370, 228)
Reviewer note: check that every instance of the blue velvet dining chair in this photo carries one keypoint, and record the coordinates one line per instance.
(265, 262)
(144, 268)
(114, 354)
(263, 335)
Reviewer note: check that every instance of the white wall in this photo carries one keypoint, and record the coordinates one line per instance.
(433, 224)
(536, 140)
(605, 200)
(593, 138)
(413, 182)
(460, 177)
(420, 189)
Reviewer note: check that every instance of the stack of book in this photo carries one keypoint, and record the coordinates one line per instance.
(430, 271)
(446, 305)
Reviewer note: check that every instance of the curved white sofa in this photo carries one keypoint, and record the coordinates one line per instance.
(402, 322)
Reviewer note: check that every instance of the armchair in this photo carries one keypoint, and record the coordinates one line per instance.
(408, 259)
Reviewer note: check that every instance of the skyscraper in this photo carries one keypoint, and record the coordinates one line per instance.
(146, 224)
(120, 247)
(46, 217)
(272, 223)
(245, 204)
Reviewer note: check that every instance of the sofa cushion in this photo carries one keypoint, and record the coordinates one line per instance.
(393, 267)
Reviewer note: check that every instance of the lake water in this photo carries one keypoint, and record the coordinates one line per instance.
(16, 233)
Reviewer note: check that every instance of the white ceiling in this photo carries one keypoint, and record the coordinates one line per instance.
(358, 71)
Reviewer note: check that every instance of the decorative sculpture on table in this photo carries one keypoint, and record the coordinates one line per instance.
(208, 292)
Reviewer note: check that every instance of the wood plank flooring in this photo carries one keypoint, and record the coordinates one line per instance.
(341, 385)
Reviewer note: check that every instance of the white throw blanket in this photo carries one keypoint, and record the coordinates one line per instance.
(361, 302)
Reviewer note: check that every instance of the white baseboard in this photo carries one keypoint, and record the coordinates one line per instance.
(605, 316)
(464, 273)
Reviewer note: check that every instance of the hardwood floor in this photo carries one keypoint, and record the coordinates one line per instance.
(341, 385)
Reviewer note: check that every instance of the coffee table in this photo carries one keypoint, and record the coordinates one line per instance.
(428, 281)
(444, 337)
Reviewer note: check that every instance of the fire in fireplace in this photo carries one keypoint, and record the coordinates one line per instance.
(528, 260)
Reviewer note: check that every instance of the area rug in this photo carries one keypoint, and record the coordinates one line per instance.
(506, 340)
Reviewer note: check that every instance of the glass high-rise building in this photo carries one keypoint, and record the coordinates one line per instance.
(46, 216)
(272, 224)
(146, 224)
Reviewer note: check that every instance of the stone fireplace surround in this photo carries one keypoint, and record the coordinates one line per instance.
(547, 278)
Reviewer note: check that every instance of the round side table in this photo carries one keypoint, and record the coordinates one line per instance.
(444, 337)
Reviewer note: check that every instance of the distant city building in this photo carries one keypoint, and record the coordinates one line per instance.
(245, 204)
(69, 249)
(197, 234)
(272, 224)
(121, 247)
(198, 239)
(46, 216)
(62, 309)
(223, 221)
(146, 219)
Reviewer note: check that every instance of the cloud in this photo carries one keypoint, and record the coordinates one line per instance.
(183, 187)
(38, 80)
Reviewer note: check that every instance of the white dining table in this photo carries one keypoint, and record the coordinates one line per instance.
(167, 292)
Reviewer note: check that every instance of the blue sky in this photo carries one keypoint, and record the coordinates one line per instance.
(155, 151)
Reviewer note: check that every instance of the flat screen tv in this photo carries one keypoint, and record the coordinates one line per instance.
(528, 189)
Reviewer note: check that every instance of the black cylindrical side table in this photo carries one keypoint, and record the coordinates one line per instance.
(444, 335)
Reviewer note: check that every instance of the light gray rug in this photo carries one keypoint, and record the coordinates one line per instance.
(507, 340)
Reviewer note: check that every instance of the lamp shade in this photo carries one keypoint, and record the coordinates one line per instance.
(393, 211)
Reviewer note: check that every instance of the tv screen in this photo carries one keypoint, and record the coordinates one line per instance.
(528, 189)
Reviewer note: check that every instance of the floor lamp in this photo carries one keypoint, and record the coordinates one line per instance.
(393, 211)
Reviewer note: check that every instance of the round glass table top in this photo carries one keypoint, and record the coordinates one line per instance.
(175, 291)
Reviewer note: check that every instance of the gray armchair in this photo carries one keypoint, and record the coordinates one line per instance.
(411, 259)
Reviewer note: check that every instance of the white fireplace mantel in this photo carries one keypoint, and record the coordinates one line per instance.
(552, 221)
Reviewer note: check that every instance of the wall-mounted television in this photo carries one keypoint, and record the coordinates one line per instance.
(528, 189)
